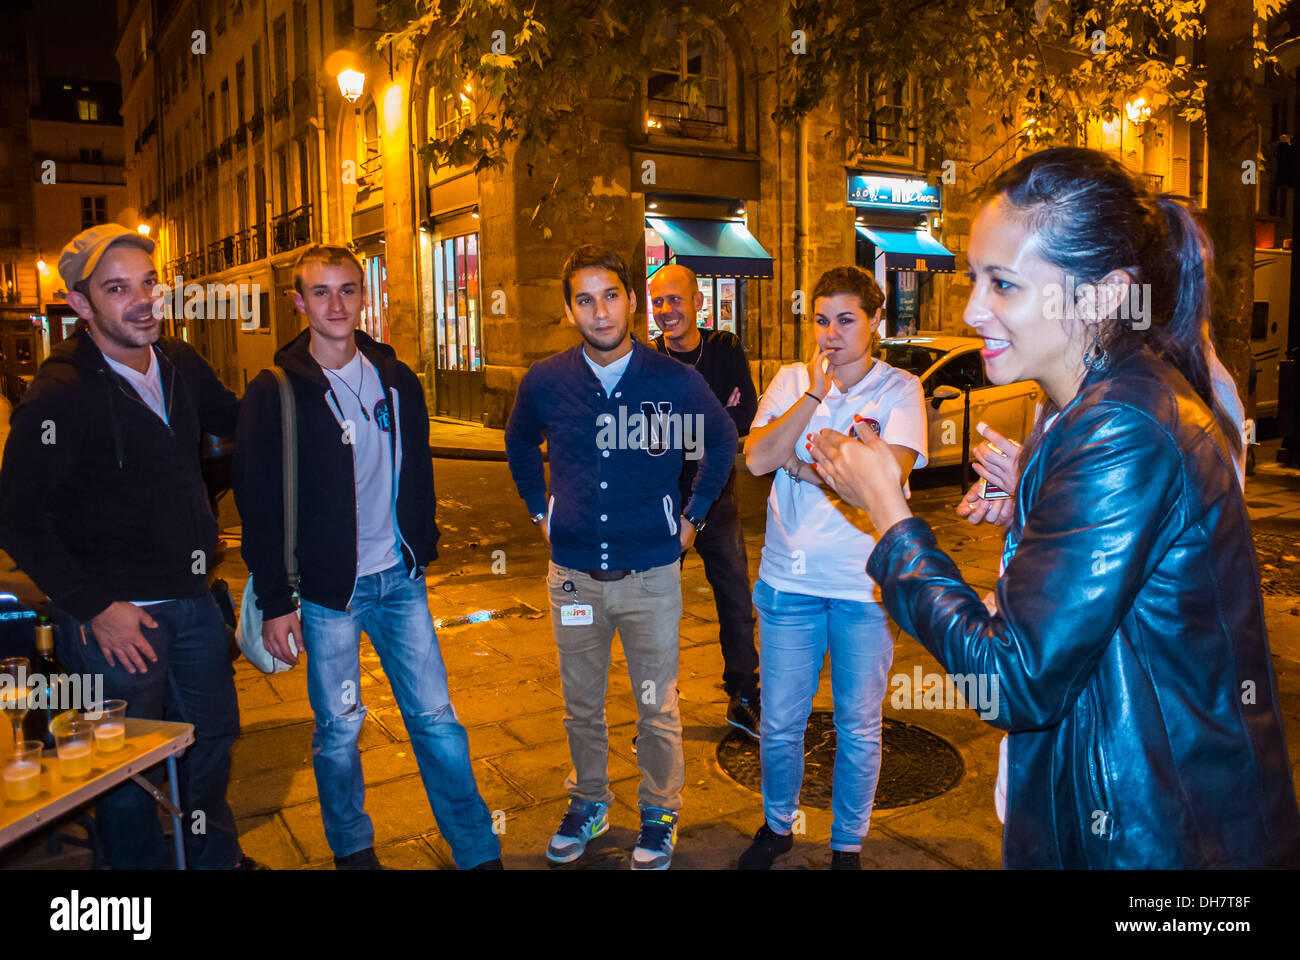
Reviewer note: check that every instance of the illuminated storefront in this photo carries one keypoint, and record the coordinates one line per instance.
(894, 241)
(724, 256)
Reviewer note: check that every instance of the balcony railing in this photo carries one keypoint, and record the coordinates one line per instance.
(223, 151)
(280, 104)
(255, 124)
(292, 229)
(1155, 181)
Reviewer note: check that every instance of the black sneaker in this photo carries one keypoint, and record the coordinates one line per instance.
(361, 860)
(248, 863)
(767, 846)
(744, 714)
(846, 860)
(490, 865)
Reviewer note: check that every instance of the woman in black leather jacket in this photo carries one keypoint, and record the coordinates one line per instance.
(1129, 639)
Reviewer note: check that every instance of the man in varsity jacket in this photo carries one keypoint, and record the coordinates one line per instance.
(619, 419)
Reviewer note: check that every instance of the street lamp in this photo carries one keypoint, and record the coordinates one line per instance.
(1138, 110)
(143, 229)
(351, 83)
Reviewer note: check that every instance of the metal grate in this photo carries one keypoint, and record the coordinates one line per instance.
(916, 765)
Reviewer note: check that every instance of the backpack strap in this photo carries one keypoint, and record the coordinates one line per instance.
(289, 443)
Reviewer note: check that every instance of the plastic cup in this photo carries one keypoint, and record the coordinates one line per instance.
(110, 725)
(22, 771)
(74, 742)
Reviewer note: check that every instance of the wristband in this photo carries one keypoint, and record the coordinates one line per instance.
(809, 393)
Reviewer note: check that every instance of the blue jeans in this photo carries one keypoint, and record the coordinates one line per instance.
(796, 631)
(393, 610)
(192, 682)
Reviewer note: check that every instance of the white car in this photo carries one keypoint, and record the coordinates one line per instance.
(954, 362)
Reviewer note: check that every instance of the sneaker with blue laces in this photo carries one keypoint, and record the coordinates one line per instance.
(654, 845)
(582, 822)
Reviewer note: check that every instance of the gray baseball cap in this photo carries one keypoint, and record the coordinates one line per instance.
(80, 257)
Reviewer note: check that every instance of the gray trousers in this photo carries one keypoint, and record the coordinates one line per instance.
(646, 610)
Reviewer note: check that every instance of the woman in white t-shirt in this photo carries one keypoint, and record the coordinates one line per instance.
(812, 595)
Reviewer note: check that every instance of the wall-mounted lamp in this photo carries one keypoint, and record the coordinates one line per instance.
(351, 83)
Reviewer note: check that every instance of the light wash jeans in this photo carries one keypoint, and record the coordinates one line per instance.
(796, 631)
(393, 610)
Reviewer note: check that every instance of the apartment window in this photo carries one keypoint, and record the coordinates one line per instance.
(94, 211)
(9, 282)
(212, 121)
(87, 109)
(282, 178)
(225, 108)
(241, 202)
(881, 117)
(92, 156)
(257, 78)
(300, 65)
(369, 156)
(451, 112)
(304, 181)
(280, 52)
(691, 55)
(239, 92)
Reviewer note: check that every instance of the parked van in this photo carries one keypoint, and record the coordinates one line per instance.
(1269, 325)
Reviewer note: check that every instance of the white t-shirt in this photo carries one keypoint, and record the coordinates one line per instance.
(372, 458)
(148, 385)
(609, 376)
(816, 544)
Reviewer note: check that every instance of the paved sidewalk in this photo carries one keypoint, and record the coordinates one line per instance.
(506, 689)
(460, 440)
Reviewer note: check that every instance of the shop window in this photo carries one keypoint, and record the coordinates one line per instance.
(456, 292)
(374, 311)
(686, 92)
(881, 117)
(724, 297)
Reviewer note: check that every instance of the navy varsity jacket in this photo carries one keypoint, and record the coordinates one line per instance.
(613, 502)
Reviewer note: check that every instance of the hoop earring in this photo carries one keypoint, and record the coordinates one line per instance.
(1096, 358)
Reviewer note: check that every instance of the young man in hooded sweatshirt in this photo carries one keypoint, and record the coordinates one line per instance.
(365, 532)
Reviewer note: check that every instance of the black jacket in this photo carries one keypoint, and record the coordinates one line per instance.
(721, 362)
(99, 499)
(327, 501)
(1129, 642)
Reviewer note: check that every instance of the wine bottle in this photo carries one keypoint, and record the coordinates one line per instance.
(54, 678)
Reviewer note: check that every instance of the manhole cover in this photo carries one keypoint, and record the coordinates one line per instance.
(916, 765)
(1277, 544)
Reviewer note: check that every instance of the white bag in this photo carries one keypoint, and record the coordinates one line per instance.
(248, 634)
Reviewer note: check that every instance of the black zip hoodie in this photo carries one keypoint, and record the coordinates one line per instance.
(327, 499)
(100, 500)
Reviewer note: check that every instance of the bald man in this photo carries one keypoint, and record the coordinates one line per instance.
(718, 356)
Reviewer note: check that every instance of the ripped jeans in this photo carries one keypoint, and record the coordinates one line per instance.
(393, 610)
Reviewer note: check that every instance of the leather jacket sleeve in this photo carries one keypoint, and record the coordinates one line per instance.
(1098, 530)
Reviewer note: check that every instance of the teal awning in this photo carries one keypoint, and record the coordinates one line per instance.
(713, 248)
(910, 250)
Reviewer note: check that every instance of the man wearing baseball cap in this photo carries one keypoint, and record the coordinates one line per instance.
(102, 504)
